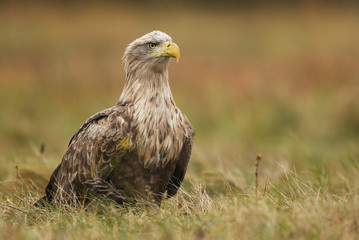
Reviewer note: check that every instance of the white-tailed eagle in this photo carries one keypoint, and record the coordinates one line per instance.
(137, 149)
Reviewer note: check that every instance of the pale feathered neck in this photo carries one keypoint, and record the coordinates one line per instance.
(146, 83)
(155, 117)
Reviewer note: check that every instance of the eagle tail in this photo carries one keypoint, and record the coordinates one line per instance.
(49, 190)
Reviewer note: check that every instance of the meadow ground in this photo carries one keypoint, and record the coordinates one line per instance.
(281, 82)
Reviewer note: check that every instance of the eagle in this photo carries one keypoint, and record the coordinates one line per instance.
(137, 149)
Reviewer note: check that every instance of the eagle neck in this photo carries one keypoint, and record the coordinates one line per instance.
(150, 87)
(155, 118)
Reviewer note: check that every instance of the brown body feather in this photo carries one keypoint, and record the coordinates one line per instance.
(138, 148)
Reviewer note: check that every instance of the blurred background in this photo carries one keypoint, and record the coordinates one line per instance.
(261, 76)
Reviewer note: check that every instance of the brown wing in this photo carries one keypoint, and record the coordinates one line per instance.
(181, 165)
(91, 153)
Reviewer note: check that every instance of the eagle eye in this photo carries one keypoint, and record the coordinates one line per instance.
(152, 45)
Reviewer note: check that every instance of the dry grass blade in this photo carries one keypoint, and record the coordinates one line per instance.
(256, 173)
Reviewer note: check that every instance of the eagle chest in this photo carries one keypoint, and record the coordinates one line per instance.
(148, 167)
(160, 135)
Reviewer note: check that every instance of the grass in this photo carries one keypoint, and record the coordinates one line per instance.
(281, 82)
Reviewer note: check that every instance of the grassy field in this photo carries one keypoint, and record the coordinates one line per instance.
(281, 82)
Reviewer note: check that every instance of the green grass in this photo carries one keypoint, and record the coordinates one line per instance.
(280, 82)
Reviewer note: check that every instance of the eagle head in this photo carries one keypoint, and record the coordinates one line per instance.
(151, 51)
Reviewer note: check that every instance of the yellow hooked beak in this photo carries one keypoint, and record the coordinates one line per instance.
(169, 49)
